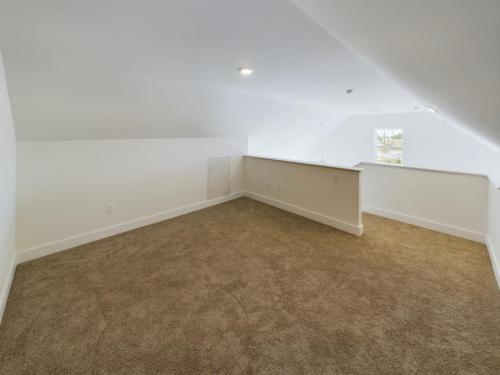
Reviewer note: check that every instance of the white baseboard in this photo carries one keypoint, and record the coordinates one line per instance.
(495, 261)
(4, 293)
(81, 239)
(428, 224)
(338, 224)
(70, 242)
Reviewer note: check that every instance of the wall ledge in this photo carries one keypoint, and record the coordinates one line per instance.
(305, 162)
(447, 171)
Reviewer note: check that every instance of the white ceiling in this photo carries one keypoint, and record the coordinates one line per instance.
(446, 52)
(156, 68)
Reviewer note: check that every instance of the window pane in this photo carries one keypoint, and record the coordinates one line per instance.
(389, 146)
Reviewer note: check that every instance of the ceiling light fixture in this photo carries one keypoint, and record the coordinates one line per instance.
(246, 71)
(432, 109)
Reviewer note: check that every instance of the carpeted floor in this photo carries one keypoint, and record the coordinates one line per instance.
(244, 288)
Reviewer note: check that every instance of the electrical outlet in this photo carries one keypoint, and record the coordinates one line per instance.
(109, 209)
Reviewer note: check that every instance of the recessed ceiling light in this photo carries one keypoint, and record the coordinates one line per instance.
(246, 71)
(432, 109)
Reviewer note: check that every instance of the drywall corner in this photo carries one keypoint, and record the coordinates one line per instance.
(493, 237)
(7, 191)
(9, 277)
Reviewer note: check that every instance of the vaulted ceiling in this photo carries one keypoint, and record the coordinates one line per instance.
(152, 68)
(446, 52)
(136, 69)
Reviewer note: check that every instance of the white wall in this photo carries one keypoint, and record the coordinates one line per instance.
(428, 143)
(297, 135)
(494, 229)
(7, 191)
(323, 193)
(65, 187)
(448, 202)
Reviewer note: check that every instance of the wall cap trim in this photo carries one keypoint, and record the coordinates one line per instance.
(359, 165)
(306, 162)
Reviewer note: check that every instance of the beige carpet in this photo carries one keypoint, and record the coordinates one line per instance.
(244, 288)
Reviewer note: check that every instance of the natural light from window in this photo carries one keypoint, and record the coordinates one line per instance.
(389, 146)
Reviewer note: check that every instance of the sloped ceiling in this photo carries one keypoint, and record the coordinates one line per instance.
(151, 68)
(446, 52)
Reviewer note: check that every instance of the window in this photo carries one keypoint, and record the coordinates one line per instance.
(389, 146)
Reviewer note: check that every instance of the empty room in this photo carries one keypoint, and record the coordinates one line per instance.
(250, 187)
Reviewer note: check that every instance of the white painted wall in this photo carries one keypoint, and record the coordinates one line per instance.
(494, 229)
(448, 202)
(297, 135)
(323, 193)
(428, 143)
(64, 187)
(7, 191)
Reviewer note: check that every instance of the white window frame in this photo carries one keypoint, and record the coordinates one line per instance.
(375, 154)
